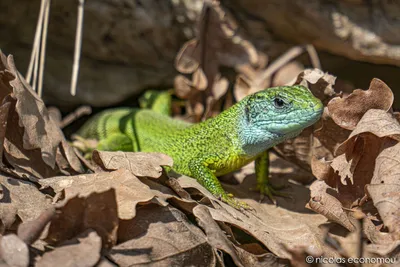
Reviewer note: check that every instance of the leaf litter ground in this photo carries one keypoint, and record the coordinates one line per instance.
(123, 209)
(129, 212)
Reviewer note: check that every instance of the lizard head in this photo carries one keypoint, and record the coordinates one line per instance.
(278, 113)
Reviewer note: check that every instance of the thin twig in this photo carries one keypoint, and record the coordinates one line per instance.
(79, 112)
(43, 48)
(36, 42)
(78, 44)
(312, 52)
(281, 61)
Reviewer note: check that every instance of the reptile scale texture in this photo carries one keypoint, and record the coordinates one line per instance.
(217, 146)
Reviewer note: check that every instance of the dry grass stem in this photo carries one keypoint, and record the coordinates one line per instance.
(43, 47)
(78, 45)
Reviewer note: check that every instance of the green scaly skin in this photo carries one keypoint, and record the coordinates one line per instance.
(217, 146)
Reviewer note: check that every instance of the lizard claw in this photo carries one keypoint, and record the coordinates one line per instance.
(270, 191)
(233, 202)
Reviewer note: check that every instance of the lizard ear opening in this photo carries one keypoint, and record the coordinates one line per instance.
(247, 108)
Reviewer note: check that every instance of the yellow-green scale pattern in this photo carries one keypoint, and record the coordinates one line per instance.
(217, 146)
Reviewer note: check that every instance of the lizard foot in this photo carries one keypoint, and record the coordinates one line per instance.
(270, 191)
(233, 202)
(86, 146)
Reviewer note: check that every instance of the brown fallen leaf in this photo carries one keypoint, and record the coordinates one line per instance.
(32, 139)
(14, 251)
(75, 215)
(128, 188)
(20, 199)
(215, 236)
(320, 83)
(348, 111)
(330, 135)
(270, 225)
(375, 121)
(216, 44)
(384, 189)
(329, 206)
(162, 236)
(322, 170)
(141, 164)
(83, 250)
(30, 231)
(3, 126)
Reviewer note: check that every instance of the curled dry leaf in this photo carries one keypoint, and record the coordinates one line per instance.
(330, 135)
(32, 139)
(321, 169)
(385, 185)
(348, 111)
(3, 126)
(83, 250)
(215, 236)
(217, 44)
(378, 122)
(328, 205)
(138, 163)
(162, 236)
(320, 83)
(184, 61)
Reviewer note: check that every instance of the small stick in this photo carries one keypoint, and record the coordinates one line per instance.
(78, 44)
(79, 112)
(312, 52)
(280, 62)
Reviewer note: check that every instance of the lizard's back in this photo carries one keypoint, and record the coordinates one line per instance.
(149, 131)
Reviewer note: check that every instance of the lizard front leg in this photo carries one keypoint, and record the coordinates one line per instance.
(263, 184)
(206, 177)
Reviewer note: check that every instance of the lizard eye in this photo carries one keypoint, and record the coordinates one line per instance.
(278, 102)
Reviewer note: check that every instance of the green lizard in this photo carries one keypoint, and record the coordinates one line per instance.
(217, 146)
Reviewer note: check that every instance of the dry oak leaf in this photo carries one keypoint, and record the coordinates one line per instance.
(330, 135)
(162, 236)
(245, 255)
(376, 121)
(270, 225)
(348, 111)
(215, 236)
(41, 132)
(31, 132)
(83, 250)
(20, 198)
(354, 169)
(320, 83)
(321, 169)
(140, 164)
(97, 211)
(128, 188)
(384, 189)
(328, 205)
